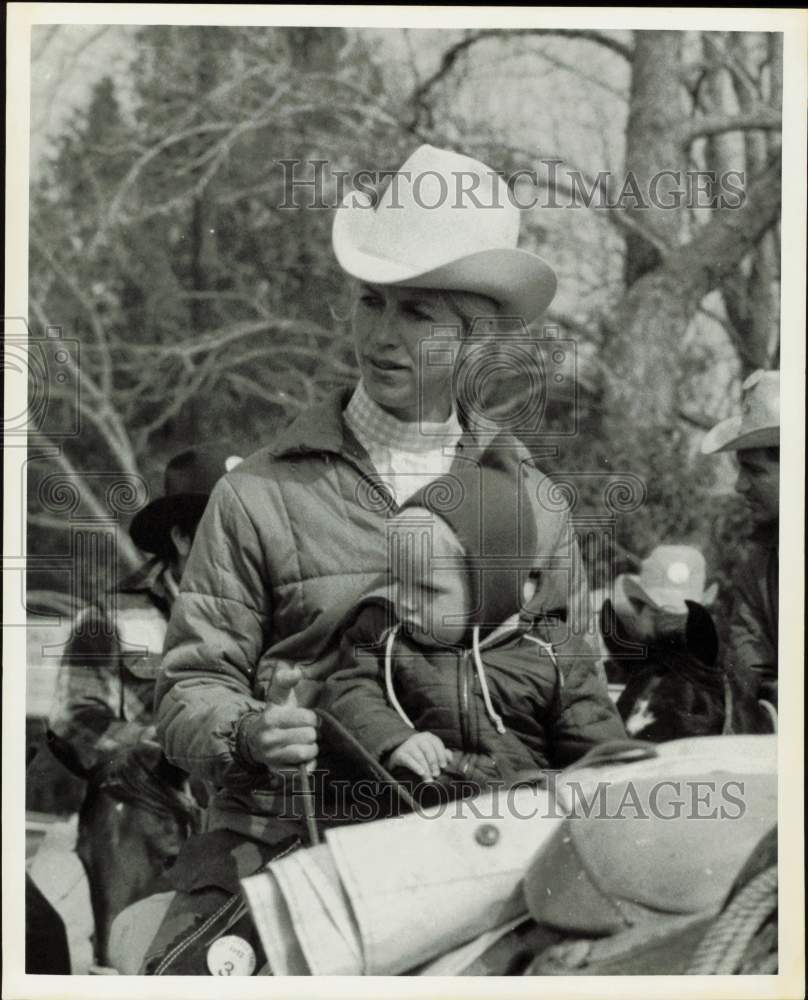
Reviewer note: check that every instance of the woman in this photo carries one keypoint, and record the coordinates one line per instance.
(299, 529)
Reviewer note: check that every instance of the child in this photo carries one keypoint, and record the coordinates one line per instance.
(446, 674)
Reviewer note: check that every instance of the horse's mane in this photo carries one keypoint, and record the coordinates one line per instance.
(680, 669)
(687, 688)
(140, 775)
(685, 636)
(690, 690)
(681, 662)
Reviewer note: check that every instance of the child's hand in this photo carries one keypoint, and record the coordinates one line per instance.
(423, 753)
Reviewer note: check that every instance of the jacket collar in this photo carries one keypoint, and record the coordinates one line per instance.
(379, 595)
(513, 624)
(323, 428)
(377, 428)
(509, 629)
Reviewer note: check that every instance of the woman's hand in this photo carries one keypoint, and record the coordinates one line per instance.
(285, 734)
(423, 753)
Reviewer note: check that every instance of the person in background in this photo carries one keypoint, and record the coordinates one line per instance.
(105, 687)
(754, 436)
(103, 715)
(669, 577)
(642, 606)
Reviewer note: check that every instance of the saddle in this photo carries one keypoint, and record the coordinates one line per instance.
(651, 877)
(649, 849)
(738, 935)
(631, 882)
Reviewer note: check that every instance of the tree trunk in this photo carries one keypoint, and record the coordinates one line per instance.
(655, 114)
(663, 292)
(650, 321)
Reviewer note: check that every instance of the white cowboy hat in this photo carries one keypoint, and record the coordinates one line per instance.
(757, 425)
(444, 221)
(671, 575)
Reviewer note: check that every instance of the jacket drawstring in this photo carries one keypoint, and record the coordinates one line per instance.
(171, 584)
(548, 648)
(493, 715)
(772, 712)
(388, 677)
(478, 663)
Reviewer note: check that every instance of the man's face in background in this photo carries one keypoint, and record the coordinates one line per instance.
(758, 482)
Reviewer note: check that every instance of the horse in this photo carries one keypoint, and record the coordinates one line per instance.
(46, 947)
(674, 684)
(136, 814)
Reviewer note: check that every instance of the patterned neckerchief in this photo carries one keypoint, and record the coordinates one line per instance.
(406, 456)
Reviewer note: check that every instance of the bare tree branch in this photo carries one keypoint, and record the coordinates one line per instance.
(249, 387)
(227, 335)
(617, 216)
(717, 248)
(97, 407)
(727, 58)
(451, 55)
(126, 547)
(708, 125)
(574, 325)
(593, 78)
(41, 37)
(43, 247)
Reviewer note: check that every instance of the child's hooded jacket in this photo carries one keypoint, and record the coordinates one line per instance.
(521, 690)
(513, 696)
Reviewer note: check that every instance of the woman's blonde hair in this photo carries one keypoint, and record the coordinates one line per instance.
(469, 307)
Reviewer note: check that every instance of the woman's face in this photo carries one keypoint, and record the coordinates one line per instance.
(389, 325)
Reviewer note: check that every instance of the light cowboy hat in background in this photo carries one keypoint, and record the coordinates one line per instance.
(671, 575)
(757, 425)
(444, 221)
(189, 478)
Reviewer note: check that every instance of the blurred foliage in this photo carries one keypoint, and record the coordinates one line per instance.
(204, 309)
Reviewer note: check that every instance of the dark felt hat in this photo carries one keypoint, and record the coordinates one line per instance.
(189, 479)
(486, 504)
